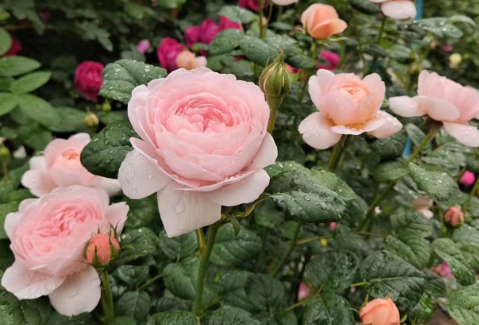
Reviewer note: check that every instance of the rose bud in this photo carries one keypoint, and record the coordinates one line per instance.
(91, 120)
(101, 247)
(275, 81)
(322, 21)
(468, 178)
(380, 312)
(455, 216)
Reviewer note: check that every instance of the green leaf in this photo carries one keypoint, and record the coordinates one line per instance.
(237, 14)
(7, 103)
(17, 65)
(134, 304)
(391, 147)
(462, 19)
(5, 41)
(306, 198)
(365, 6)
(232, 286)
(38, 109)
(121, 77)
(464, 305)
(34, 136)
(423, 311)
(30, 82)
(389, 275)
(122, 321)
(281, 167)
(411, 247)
(435, 285)
(178, 247)
(437, 184)
(82, 319)
(71, 120)
(107, 150)
(132, 275)
(5, 209)
(266, 214)
(172, 318)
(255, 50)
(143, 242)
(399, 52)
(225, 42)
(328, 309)
(445, 248)
(227, 315)
(24, 312)
(407, 219)
(286, 318)
(230, 249)
(467, 235)
(265, 290)
(389, 171)
(6, 83)
(336, 184)
(332, 270)
(142, 212)
(416, 135)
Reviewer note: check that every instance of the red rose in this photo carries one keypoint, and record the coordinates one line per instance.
(88, 79)
(15, 47)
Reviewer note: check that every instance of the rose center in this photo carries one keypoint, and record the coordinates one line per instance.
(356, 91)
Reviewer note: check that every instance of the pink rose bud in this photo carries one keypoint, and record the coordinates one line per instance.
(143, 46)
(380, 312)
(322, 21)
(14, 48)
(187, 60)
(168, 52)
(88, 79)
(454, 216)
(447, 48)
(100, 245)
(443, 270)
(304, 291)
(333, 225)
(468, 178)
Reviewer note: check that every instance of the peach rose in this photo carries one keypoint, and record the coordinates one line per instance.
(347, 105)
(204, 144)
(380, 312)
(100, 244)
(454, 216)
(187, 60)
(60, 166)
(284, 2)
(322, 21)
(446, 101)
(48, 237)
(398, 9)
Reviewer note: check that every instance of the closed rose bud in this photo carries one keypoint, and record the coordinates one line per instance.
(322, 21)
(88, 79)
(4, 152)
(100, 244)
(91, 120)
(455, 60)
(275, 81)
(468, 178)
(380, 312)
(455, 217)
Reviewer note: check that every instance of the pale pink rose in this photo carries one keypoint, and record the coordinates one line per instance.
(446, 101)
(60, 166)
(423, 206)
(187, 60)
(468, 178)
(380, 312)
(398, 9)
(204, 145)
(48, 237)
(454, 216)
(347, 105)
(322, 21)
(284, 2)
(143, 46)
(443, 270)
(304, 291)
(100, 245)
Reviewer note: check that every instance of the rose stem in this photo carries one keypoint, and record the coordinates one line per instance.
(107, 297)
(292, 246)
(337, 152)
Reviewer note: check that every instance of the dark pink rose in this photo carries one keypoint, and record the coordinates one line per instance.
(209, 29)
(45, 14)
(332, 58)
(168, 52)
(15, 48)
(192, 35)
(143, 46)
(226, 23)
(249, 4)
(88, 79)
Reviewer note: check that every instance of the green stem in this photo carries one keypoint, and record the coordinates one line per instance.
(200, 285)
(380, 37)
(292, 246)
(314, 53)
(5, 170)
(359, 284)
(201, 240)
(147, 283)
(298, 304)
(303, 89)
(337, 152)
(107, 297)
(262, 30)
(274, 103)
(310, 239)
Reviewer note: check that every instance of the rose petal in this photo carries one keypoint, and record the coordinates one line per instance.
(317, 86)
(466, 134)
(244, 191)
(391, 126)
(80, 293)
(267, 154)
(111, 186)
(116, 215)
(38, 182)
(83, 138)
(38, 163)
(405, 106)
(367, 127)
(182, 212)
(316, 131)
(284, 2)
(399, 9)
(438, 109)
(26, 284)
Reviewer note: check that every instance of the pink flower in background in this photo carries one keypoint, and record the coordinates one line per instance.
(322, 21)
(333, 225)
(330, 57)
(304, 291)
(249, 4)
(203, 145)
(347, 105)
(226, 23)
(284, 2)
(454, 216)
(468, 178)
(187, 60)
(380, 312)
(423, 206)
(88, 79)
(14, 48)
(207, 31)
(100, 245)
(60, 166)
(168, 52)
(398, 9)
(45, 15)
(48, 237)
(447, 48)
(143, 46)
(443, 270)
(446, 101)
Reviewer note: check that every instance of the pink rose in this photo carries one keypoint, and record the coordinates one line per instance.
(143, 46)
(447, 48)
(88, 79)
(443, 270)
(204, 146)
(14, 48)
(330, 57)
(168, 52)
(207, 31)
(347, 105)
(322, 21)
(226, 23)
(284, 2)
(304, 291)
(468, 178)
(380, 312)
(443, 100)
(398, 9)
(187, 60)
(60, 166)
(250, 4)
(48, 237)
(454, 216)
(100, 245)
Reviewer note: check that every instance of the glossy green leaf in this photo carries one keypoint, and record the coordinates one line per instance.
(459, 264)
(464, 305)
(17, 65)
(178, 247)
(328, 309)
(30, 82)
(225, 42)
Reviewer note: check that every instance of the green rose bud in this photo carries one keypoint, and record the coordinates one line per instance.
(275, 80)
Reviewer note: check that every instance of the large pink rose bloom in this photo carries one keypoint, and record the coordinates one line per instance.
(347, 105)
(48, 237)
(204, 145)
(443, 100)
(60, 166)
(398, 9)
